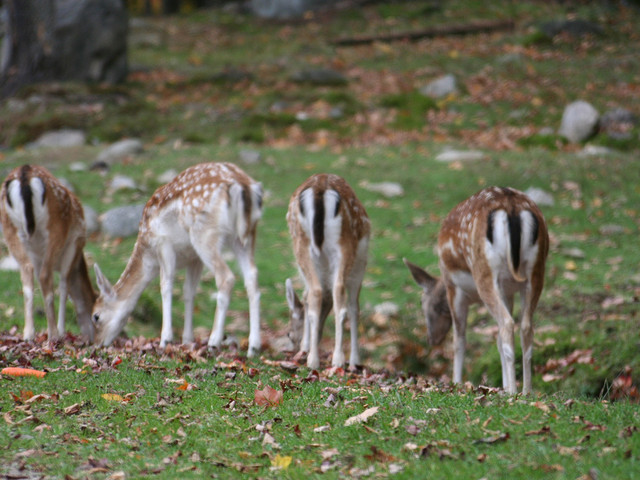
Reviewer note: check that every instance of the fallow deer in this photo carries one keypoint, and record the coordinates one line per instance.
(330, 232)
(491, 246)
(44, 229)
(188, 223)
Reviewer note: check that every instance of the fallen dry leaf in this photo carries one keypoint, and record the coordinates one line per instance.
(281, 462)
(73, 409)
(268, 396)
(361, 417)
(493, 439)
(112, 397)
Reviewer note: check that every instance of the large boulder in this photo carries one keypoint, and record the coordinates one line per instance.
(287, 9)
(579, 121)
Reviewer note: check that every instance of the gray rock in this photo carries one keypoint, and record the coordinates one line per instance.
(78, 167)
(440, 87)
(388, 309)
(167, 176)
(9, 264)
(286, 9)
(121, 221)
(579, 121)
(319, 76)
(388, 189)
(119, 150)
(250, 157)
(611, 229)
(618, 123)
(60, 138)
(122, 182)
(595, 151)
(540, 197)
(91, 221)
(574, 27)
(459, 155)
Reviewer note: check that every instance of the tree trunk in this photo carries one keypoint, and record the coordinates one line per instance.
(84, 40)
(28, 44)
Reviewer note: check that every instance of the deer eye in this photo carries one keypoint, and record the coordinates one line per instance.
(96, 317)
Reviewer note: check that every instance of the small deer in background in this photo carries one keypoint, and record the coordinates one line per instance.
(491, 246)
(187, 223)
(330, 232)
(44, 229)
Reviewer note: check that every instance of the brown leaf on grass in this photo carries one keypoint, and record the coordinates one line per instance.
(379, 456)
(73, 409)
(268, 396)
(361, 417)
(493, 439)
(441, 453)
(568, 451)
(546, 430)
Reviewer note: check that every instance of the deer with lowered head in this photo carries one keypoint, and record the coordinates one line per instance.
(44, 229)
(491, 246)
(188, 223)
(330, 231)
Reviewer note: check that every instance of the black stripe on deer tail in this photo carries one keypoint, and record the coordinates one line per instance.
(515, 234)
(318, 219)
(514, 224)
(27, 198)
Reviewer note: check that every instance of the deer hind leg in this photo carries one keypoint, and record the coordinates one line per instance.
(529, 300)
(224, 282)
(354, 284)
(459, 310)
(191, 281)
(45, 278)
(26, 276)
(247, 264)
(67, 264)
(167, 275)
(340, 313)
(500, 311)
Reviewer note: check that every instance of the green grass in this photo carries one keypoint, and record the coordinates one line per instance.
(582, 417)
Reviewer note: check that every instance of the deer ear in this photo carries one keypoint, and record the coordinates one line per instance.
(420, 276)
(292, 299)
(103, 284)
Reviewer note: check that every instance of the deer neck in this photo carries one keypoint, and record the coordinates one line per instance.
(141, 269)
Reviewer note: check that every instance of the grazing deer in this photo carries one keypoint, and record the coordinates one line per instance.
(187, 223)
(330, 232)
(43, 225)
(491, 246)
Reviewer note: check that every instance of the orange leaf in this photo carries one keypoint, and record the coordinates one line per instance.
(268, 396)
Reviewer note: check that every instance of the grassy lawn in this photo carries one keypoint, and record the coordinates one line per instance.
(220, 84)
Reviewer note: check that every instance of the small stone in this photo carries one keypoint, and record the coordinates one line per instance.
(540, 197)
(595, 151)
(459, 156)
(119, 150)
(611, 229)
(60, 138)
(122, 182)
(388, 189)
(250, 157)
(9, 264)
(78, 167)
(167, 176)
(440, 87)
